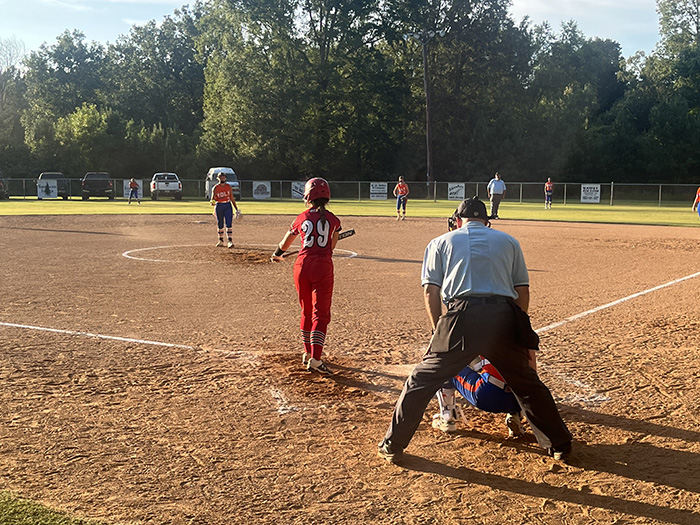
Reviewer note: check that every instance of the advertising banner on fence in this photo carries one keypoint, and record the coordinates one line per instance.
(590, 193)
(378, 191)
(262, 190)
(47, 189)
(455, 191)
(298, 190)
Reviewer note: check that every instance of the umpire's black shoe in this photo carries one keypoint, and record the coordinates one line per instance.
(390, 453)
(560, 452)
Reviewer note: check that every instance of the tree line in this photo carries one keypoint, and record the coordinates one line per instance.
(335, 88)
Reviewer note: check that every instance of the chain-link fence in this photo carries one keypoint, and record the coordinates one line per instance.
(604, 193)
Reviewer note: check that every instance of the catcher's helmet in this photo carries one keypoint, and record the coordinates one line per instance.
(317, 188)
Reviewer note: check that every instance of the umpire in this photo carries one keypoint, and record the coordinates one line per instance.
(481, 275)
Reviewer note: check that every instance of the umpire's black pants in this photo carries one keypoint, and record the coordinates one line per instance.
(461, 335)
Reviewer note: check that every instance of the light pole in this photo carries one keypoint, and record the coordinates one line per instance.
(424, 37)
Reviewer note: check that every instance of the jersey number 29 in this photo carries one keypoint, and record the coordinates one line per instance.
(321, 237)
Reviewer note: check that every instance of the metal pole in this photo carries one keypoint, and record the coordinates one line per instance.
(565, 194)
(659, 195)
(611, 193)
(428, 127)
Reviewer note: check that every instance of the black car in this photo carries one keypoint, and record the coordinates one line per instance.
(97, 184)
(4, 187)
(62, 184)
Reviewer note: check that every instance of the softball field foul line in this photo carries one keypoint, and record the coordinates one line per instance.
(614, 303)
(597, 397)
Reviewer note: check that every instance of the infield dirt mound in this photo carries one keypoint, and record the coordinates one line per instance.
(227, 427)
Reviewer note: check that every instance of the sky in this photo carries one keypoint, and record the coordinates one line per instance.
(632, 23)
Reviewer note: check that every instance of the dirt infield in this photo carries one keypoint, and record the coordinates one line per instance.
(170, 389)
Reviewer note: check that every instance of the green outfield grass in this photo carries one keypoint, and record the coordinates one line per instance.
(624, 213)
(14, 510)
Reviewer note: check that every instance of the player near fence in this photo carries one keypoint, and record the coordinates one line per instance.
(224, 203)
(548, 191)
(133, 191)
(696, 202)
(313, 269)
(401, 193)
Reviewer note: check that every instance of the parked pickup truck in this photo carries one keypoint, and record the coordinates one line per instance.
(166, 184)
(97, 184)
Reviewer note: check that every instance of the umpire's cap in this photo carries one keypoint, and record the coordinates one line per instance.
(472, 209)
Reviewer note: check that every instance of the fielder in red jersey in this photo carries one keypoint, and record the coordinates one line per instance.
(313, 269)
(696, 202)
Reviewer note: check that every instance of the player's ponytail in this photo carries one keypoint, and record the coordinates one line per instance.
(320, 205)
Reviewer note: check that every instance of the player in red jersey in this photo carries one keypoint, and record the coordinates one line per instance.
(548, 190)
(696, 202)
(401, 193)
(222, 198)
(313, 269)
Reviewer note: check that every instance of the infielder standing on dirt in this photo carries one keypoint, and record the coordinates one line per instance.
(696, 202)
(401, 193)
(313, 269)
(222, 198)
(481, 275)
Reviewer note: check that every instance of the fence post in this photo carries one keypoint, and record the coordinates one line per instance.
(434, 191)
(611, 193)
(659, 195)
(565, 194)
(359, 191)
(521, 193)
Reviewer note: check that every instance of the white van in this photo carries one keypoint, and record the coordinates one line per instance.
(231, 180)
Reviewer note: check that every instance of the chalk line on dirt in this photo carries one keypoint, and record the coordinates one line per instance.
(285, 407)
(129, 253)
(614, 303)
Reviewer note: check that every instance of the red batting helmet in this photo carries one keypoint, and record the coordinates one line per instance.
(317, 188)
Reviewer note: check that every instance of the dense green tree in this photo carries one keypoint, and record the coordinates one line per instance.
(155, 74)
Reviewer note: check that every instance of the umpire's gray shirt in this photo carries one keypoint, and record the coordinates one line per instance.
(474, 260)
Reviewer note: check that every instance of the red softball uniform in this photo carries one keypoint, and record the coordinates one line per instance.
(313, 276)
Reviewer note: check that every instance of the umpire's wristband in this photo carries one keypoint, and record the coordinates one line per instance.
(278, 252)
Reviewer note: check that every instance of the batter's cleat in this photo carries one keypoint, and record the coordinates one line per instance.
(390, 453)
(515, 425)
(443, 424)
(305, 358)
(560, 452)
(230, 244)
(316, 365)
(220, 243)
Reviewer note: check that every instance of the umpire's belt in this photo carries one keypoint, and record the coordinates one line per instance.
(464, 301)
